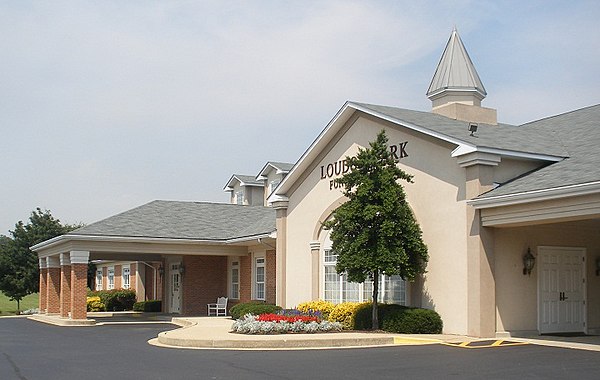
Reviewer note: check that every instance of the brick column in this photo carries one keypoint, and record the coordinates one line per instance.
(65, 285)
(53, 285)
(43, 288)
(79, 265)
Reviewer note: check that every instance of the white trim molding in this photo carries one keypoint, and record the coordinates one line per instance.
(65, 259)
(52, 262)
(80, 257)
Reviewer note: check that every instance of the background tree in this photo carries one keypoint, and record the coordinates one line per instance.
(375, 232)
(19, 269)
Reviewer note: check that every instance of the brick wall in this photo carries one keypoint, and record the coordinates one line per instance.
(119, 278)
(53, 291)
(204, 280)
(78, 291)
(104, 278)
(271, 284)
(133, 276)
(245, 278)
(65, 290)
(43, 290)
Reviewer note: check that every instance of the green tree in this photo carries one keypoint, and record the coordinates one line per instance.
(374, 232)
(19, 269)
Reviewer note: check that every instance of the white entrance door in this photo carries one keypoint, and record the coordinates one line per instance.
(561, 289)
(175, 294)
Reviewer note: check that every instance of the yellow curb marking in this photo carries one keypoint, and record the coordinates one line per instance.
(415, 341)
(497, 343)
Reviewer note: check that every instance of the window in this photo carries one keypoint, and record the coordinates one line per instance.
(126, 277)
(259, 278)
(111, 278)
(337, 288)
(273, 185)
(235, 280)
(239, 198)
(99, 279)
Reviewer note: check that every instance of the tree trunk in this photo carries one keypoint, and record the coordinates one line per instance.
(375, 317)
(18, 307)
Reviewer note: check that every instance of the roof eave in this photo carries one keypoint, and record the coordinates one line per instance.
(536, 195)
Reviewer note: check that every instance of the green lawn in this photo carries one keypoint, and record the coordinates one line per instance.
(10, 307)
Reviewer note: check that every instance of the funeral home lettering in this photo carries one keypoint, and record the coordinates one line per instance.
(341, 167)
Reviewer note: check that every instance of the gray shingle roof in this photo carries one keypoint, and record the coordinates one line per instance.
(246, 180)
(283, 166)
(573, 136)
(186, 220)
(501, 136)
(578, 133)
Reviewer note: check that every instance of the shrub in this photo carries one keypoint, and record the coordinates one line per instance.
(116, 299)
(254, 308)
(148, 306)
(344, 314)
(323, 307)
(413, 321)
(363, 317)
(94, 304)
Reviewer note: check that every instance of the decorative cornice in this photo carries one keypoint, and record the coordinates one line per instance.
(315, 245)
(52, 262)
(65, 259)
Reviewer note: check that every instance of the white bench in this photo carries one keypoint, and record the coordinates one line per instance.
(219, 308)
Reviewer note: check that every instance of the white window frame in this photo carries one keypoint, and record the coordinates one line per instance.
(99, 276)
(239, 197)
(329, 259)
(260, 286)
(110, 274)
(234, 280)
(273, 185)
(126, 279)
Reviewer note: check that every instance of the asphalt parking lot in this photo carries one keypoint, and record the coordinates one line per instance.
(32, 350)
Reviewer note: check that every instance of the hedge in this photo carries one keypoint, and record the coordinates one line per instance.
(345, 313)
(412, 321)
(148, 306)
(363, 318)
(116, 299)
(254, 308)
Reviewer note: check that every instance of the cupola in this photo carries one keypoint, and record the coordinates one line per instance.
(456, 91)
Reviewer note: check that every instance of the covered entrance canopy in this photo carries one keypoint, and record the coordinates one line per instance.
(160, 231)
(553, 212)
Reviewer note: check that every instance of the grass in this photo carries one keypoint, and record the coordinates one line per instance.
(8, 307)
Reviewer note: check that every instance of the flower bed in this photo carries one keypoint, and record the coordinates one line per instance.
(287, 318)
(281, 324)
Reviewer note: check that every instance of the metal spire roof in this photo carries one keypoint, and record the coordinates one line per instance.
(455, 71)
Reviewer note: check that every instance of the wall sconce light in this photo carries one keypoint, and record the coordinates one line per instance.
(472, 129)
(528, 262)
(181, 269)
(598, 266)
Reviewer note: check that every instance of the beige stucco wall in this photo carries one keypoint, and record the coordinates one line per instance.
(516, 294)
(437, 198)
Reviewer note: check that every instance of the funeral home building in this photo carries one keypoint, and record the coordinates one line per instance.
(510, 215)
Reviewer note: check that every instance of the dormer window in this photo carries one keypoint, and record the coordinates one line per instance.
(273, 185)
(239, 197)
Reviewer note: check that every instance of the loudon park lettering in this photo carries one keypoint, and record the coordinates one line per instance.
(341, 167)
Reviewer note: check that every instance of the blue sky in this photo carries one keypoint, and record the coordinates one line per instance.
(108, 105)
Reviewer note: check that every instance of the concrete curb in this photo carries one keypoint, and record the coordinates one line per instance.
(283, 342)
(56, 320)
